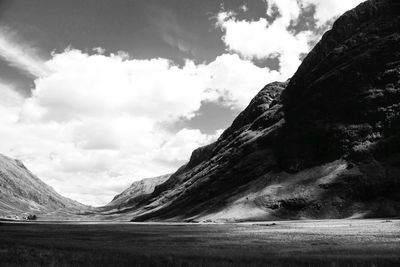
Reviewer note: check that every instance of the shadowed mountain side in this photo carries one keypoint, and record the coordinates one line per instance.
(324, 145)
(22, 193)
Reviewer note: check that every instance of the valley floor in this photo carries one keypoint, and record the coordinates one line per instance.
(286, 243)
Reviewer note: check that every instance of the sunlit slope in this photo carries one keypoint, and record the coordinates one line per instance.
(21, 192)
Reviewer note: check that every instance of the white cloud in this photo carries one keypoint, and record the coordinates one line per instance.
(8, 96)
(81, 85)
(181, 144)
(289, 10)
(326, 10)
(97, 85)
(20, 54)
(93, 120)
(237, 80)
(10, 101)
(99, 50)
(261, 39)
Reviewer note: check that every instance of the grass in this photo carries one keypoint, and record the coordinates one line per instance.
(310, 243)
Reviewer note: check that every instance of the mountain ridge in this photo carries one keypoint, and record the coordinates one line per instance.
(324, 146)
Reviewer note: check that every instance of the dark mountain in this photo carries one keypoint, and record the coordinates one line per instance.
(325, 144)
(22, 193)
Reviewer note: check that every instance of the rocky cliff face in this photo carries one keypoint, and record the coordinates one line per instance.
(22, 193)
(345, 95)
(323, 145)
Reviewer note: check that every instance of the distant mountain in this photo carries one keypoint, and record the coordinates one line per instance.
(325, 144)
(137, 191)
(22, 193)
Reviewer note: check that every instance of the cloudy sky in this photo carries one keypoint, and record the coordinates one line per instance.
(95, 94)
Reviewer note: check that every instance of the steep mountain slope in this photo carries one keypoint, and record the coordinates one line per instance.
(326, 144)
(23, 193)
(218, 171)
(137, 191)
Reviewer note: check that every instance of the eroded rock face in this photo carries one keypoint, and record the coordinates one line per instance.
(323, 145)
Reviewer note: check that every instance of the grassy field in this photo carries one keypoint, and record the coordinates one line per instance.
(296, 243)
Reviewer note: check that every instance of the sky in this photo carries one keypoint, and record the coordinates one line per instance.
(95, 94)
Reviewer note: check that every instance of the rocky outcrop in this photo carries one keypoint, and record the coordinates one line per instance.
(323, 145)
(22, 193)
